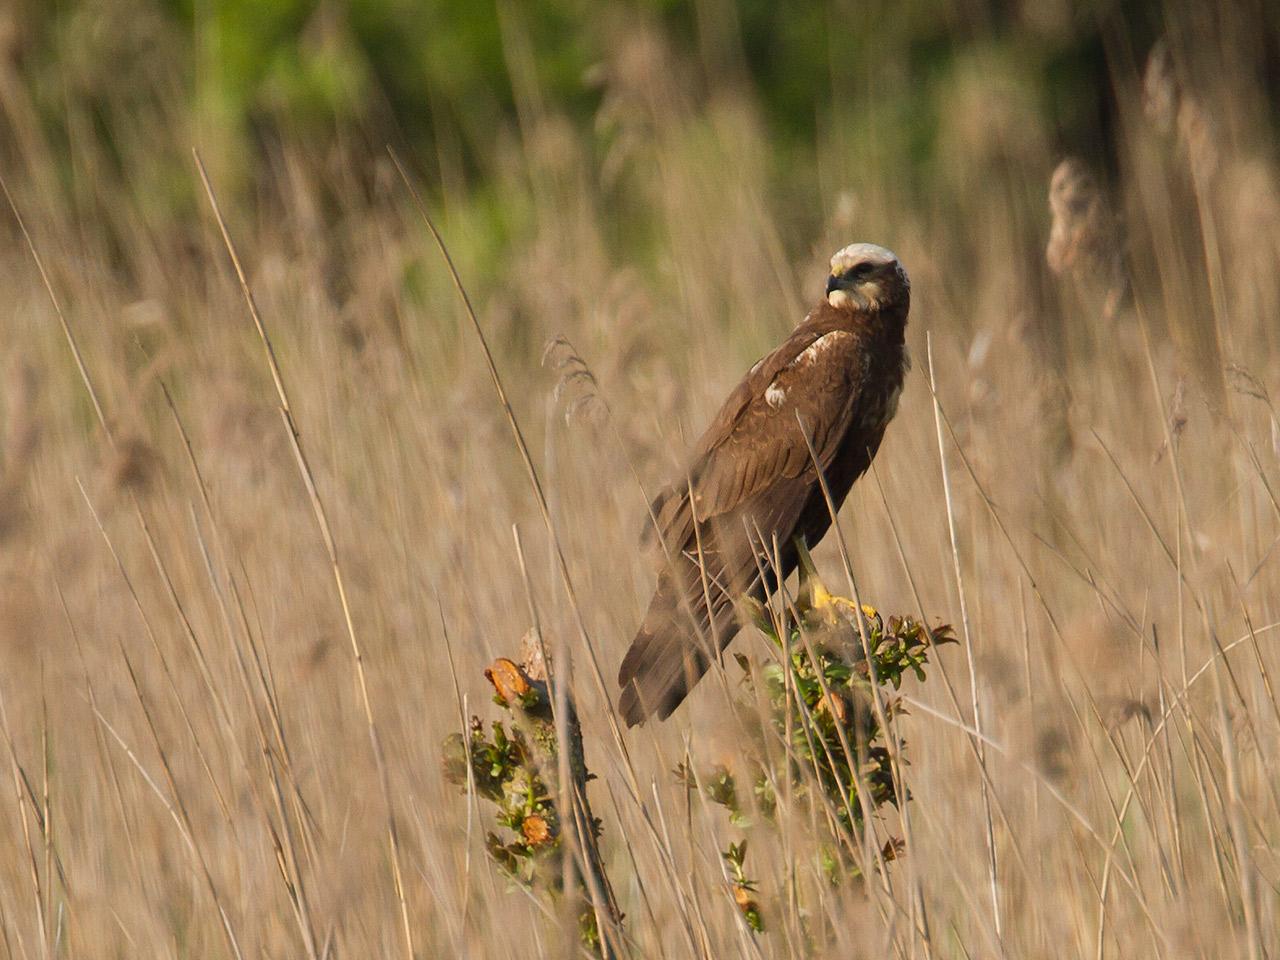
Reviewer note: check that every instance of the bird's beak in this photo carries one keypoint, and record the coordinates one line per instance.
(833, 283)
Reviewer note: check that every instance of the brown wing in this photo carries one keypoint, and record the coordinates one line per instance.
(755, 442)
(750, 481)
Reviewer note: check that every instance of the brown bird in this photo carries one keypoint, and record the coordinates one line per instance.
(752, 481)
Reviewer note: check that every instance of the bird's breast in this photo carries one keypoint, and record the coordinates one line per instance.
(878, 402)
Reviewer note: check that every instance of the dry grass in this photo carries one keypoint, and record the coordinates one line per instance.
(194, 771)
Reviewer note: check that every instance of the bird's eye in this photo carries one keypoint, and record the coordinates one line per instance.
(858, 271)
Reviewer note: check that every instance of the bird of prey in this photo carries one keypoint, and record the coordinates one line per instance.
(753, 482)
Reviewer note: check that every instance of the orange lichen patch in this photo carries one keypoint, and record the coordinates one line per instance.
(834, 704)
(536, 830)
(749, 907)
(508, 680)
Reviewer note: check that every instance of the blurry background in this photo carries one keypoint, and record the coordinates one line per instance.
(1086, 198)
(905, 92)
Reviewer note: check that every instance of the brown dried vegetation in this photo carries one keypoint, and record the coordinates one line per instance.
(202, 766)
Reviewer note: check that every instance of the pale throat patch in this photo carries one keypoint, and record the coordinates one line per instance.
(868, 295)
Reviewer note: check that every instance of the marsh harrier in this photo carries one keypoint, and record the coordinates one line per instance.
(753, 482)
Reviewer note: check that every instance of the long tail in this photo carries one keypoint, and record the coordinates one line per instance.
(670, 653)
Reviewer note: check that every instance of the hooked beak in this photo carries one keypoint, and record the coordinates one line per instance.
(834, 283)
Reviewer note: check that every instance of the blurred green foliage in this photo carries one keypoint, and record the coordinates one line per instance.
(430, 71)
(923, 99)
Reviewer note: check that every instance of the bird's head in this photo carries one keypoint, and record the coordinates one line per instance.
(867, 277)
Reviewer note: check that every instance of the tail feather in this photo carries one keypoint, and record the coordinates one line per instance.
(668, 656)
(679, 636)
(656, 675)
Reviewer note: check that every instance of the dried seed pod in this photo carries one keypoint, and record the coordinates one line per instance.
(1160, 88)
(576, 387)
(1198, 137)
(1084, 242)
(1175, 109)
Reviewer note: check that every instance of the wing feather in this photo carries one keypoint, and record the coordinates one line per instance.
(752, 479)
(752, 443)
(766, 444)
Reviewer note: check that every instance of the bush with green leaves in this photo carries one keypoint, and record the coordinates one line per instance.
(822, 713)
(820, 707)
(513, 768)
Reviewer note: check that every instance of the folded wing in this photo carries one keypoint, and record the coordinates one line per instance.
(750, 480)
